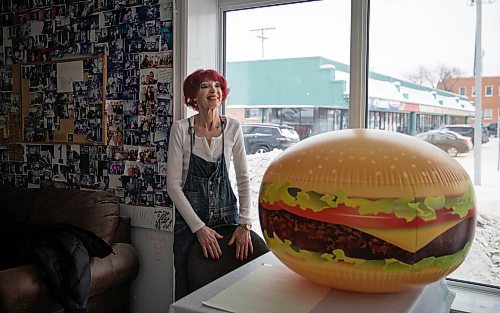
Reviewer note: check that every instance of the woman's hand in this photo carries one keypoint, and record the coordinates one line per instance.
(243, 241)
(207, 237)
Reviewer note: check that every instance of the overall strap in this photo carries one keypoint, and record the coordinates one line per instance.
(191, 134)
(223, 121)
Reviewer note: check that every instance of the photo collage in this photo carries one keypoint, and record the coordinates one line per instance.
(136, 38)
(59, 113)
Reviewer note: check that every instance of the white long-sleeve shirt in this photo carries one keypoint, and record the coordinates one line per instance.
(179, 151)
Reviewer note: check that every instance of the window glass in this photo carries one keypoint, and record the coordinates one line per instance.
(488, 91)
(285, 69)
(278, 63)
(410, 87)
(264, 130)
(488, 114)
(253, 113)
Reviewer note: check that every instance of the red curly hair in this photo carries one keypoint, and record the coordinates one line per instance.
(193, 81)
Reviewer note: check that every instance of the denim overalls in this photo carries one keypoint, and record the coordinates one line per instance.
(208, 190)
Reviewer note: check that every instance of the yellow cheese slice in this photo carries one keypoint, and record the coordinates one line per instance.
(410, 238)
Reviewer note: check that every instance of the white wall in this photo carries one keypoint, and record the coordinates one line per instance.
(197, 43)
(152, 290)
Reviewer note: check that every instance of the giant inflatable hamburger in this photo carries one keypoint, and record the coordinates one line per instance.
(367, 210)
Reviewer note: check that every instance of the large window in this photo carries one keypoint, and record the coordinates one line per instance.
(280, 59)
(287, 68)
(403, 47)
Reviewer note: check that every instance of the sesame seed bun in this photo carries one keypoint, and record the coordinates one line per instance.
(369, 164)
(340, 275)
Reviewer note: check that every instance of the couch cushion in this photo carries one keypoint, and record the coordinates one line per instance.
(24, 289)
(15, 204)
(118, 268)
(96, 211)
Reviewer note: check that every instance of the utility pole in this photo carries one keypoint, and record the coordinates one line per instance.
(478, 89)
(478, 69)
(261, 36)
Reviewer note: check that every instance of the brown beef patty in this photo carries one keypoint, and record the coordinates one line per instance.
(324, 237)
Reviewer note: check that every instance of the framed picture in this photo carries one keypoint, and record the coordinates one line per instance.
(71, 108)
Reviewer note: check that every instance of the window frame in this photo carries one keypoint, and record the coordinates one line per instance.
(190, 50)
(488, 113)
(490, 88)
(358, 74)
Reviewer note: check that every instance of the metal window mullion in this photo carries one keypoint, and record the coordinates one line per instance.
(358, 93)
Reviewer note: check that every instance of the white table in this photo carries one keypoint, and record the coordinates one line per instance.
(435, 298)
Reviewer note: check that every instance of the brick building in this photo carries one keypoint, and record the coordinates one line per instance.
(490, 93)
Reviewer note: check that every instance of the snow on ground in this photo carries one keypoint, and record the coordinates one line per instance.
(483, 261)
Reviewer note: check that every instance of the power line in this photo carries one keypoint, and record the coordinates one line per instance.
(261, 36)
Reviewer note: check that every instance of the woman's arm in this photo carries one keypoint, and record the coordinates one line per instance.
(242, 236)
(175, 165)
(242, 177)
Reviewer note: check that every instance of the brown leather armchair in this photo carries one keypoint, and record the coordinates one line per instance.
(24, 289)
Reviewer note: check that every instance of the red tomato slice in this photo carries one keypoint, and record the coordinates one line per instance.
(349, 216)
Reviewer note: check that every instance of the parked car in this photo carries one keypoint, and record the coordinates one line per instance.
(492, 129)
(449, 141)
(260, 138)
(468, 131)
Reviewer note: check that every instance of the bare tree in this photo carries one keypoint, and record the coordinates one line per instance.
(422, 76)
(448, 77)
(441, 76)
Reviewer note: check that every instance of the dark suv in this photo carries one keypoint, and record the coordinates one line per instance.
(260, 138)
(492, 129)
(468, 131)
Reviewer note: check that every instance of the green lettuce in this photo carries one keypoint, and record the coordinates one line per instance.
(443, 262)
(406, 207)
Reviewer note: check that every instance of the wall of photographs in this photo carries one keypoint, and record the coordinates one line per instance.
(137, 38)
(63, 101)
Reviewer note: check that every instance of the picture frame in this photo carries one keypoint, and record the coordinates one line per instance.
(81, 117)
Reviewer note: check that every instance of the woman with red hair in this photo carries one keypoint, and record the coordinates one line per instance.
(199, 154)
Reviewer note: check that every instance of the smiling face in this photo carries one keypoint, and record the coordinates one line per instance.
(209, 95)
(197, 86)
